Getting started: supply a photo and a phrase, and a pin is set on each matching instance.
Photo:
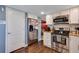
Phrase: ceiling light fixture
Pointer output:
(42, 13)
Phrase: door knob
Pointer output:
(9, 33)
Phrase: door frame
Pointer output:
(26, 30)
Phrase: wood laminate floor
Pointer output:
(35, 48)
(32, 41)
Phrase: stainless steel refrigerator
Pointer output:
(2, 29)
(2, 38)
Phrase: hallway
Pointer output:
(35, 48)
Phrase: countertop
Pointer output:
(74, 33)
(71, 33)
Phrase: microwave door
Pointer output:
(61, 20)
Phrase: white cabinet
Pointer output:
(74, 44)
(47, 39)
(65, 12)
(56, 14)
(49, 19)
(74, 16)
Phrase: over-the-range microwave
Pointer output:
(60, 19)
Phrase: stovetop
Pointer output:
(64, 33)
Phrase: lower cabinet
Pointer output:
(47, 39)
(74, 44)
(59, 47)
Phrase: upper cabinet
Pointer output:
(74, 16)
(55, 15)
(49, 20)
(64, 12)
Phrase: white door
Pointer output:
(15, 29)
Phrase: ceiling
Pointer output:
(36, 9)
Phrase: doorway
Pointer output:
(32, 31)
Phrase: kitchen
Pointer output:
(64, 34)
(39, 29)
(57, 31)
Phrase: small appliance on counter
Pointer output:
(77, 30)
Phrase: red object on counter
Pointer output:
(44, 25)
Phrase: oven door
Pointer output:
(60, 20)
(54, 38)
(63, 40)
(57, 38)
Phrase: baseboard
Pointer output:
(16, 50)
(52, 49)
(26, 45)
(40, 41)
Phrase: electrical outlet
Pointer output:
(78, 47)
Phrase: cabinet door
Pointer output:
(73, 18)
(73, 44)
(65, 12)
(49, 19)
(47, 43)
(47, 39)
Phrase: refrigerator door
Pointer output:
(2, 38)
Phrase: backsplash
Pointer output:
(66, 27)
(72, 27)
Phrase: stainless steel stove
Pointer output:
(60, 37)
